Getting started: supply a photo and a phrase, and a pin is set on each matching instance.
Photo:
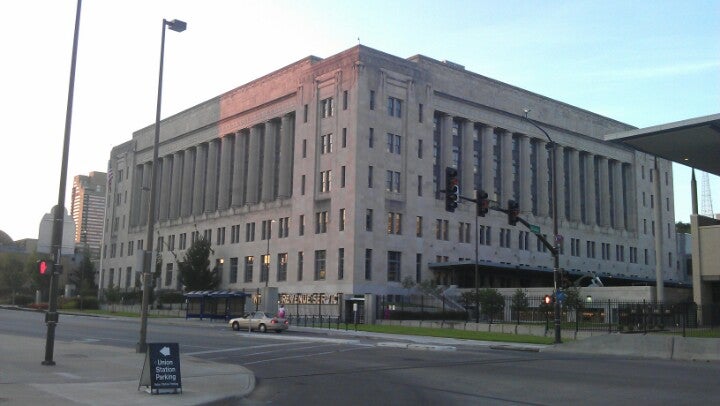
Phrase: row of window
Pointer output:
(327, 106)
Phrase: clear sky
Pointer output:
(640, 62)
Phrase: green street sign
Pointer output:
(534, 229)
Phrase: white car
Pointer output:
(261, 321)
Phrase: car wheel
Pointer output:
(236, 326)
(262, 328)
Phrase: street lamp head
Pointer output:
(526, 110)
(176, 25)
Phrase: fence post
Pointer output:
(609, 317)
(577, 320)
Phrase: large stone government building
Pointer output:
(331, 170)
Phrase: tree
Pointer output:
(572, 298)
(428, 287)
(12, 275)
(83, 276)
(681, 227)
(408, 282)
(519, 302)
(491, 302)
(194, 269)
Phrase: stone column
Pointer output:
(253, 168)
(186, 199)
(590, 191)
(525, 174)
(287, 128)
(164, 187)
(176, 188)
(631, 202)
(145, 192)
(238, 184)
(446, 144)
(506, 167)
(619, 199)
(137, 193)
(467, 172)
(225, 182)
(560, 172)
(543, 179)
(211, 181)
(269, 160)
(487, 134)
(604, 192)
(576, 193)
(200, 175)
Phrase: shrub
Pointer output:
(24, 300)
(171, 297)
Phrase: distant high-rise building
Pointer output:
(88, 210)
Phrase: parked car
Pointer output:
(261, 321)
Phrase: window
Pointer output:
(441, 229)
(160, 244)
(234, 234)
(620, 253)
(249, 268)
(301, 258)
(220, 238)
(266, 230)
(394, 142)
(341, 263)
(370, 176)
(633, 255)
(320, 265)
(418, 226)
(282, 266)
(284, 227)
(326, 144)
(464, 232)
(304, 148)
(305, 113)
(345, 99)
(249, 232)
(420, 113)
(372, 100)
(302, 185)
(321, 220)
(183, 239)
(394, 223)
(505, 237)
(418, 267)
(324, 181)
(344, 137)
(394, 107)
(369, 220)
(301, 225)
(368, 264)
(233, 270)
(342, 176)
(371, 138)
(575, 247)
(523, 240)
(420, 149)
(169, 274)
(341, 220)
(392, 181)
(590, 249)
(326, 107)
(393, 266)
(131, 246)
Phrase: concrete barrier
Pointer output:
(696, 349)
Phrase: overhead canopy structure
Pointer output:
(694, 142)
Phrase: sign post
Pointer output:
(161, 370)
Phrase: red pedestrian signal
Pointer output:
(44, 266)
(548, 299)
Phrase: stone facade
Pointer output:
(343, 158)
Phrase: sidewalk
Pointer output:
(87, 374)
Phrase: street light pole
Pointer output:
(51, 317)
(178, 26)
(556, 244)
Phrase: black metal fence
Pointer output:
(686, 319)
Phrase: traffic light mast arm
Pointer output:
(542, 238)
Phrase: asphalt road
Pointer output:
(296, 368)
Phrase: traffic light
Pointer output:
(452, 189)
(548, 299)
(45, 266)
(513, 211)
(482, 202)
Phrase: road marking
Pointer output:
(306, 355)
(233, 349)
